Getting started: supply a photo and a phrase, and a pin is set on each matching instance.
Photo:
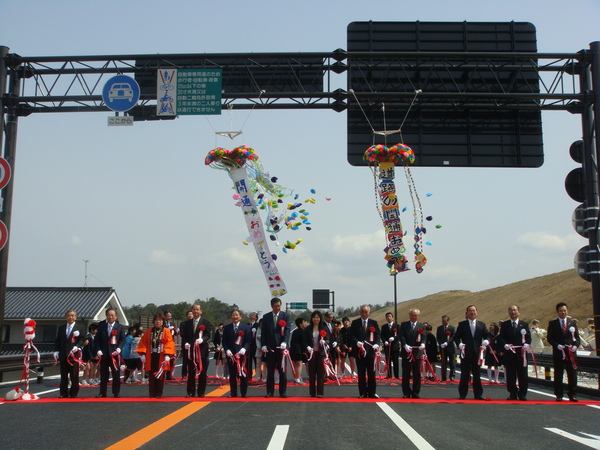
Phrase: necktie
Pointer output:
(195, 325)
(275, 319)
(109, 329)
(69, 328)
(235, 328)
(564, 321)
(365, 326)
(473, 328)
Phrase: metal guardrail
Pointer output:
(13, 363)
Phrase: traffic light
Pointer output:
(585, 214)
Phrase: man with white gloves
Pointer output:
(516, 339)
(69, 340)
(471, 338)
(237, 337)
(108, 344)
(364, 337)
(275, 334)
(412, 339)
(195, 334)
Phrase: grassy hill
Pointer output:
(536, 298)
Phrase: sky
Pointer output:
(159, 226)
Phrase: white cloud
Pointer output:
(75, 241)
(164, 258)
(359, 242)
(541, 240)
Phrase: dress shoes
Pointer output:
(406, 396)
(362, 396)
(511, 397)
(232, 396)
(117, 396)
(573, 399)
(283, 396)
(374, 396)
(462, 398)
(479, 398)
(268, 395)
(101, 396)
(62, 396)
(558, 399)
(189, 395)
(415, 396)
(522, 399)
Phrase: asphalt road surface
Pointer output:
(339, 421)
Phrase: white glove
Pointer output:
(408, 348)
(376, 347)
(359, 344)
(422, 347)
(461, 346)
(309, 349)
(167, 358)
(322, 343)
(228, 353)
(526, 346)
(573, 348)
(118, 350)
(187, 346)
(264, 349)
(444, 345)
(334, 345)
(283, 346)
(55, 355)
(143, 358)
(75, 348)
(391, 339)
(507, 346)
(485, 343)
(560, 347)
(199, 341)
(242, 351)
(386, 343)
(100, 353)
(171, 328)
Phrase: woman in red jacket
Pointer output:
(156, 349)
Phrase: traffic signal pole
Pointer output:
(591, 130)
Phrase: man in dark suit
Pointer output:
(391, 342)
(563, 336)
(251, 353)
(195, 334)
(109, 342)
(365, 336)
(412, 339)
(69, 337)
(275, 334)
(515, 333)
(445, 337)
(236, 343)
(470, 336)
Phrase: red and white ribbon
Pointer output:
(75, 356)
(240, 362)
(116, 358)
(196, 356)
(380, 363)
(285, 356)
(162, 369)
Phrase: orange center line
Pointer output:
(149, 432)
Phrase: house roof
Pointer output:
(53, 302)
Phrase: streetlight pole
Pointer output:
(393, 273)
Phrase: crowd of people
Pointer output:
(268, 346)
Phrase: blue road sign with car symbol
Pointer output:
(121, 93)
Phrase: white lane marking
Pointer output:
(409, 431)
(278, 439)
(593, 441)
